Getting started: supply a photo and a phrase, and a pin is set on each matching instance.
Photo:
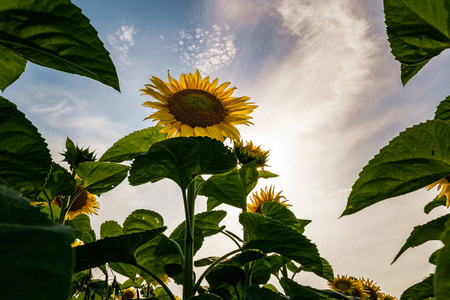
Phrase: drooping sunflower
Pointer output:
(246, 153)
(266, 195)
(194, 106)
(343, 284)
(85, 203)
(371, 288)
(444, 186)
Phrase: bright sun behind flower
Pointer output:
(266, 195)
(196, 107)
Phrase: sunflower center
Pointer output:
(343, 285)
(197, 108)
(78, 203)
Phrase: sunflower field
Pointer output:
(49, 250)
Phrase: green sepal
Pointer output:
(75, 155)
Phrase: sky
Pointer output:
(329, 97)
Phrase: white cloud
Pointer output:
(122, 40)
(205, 49)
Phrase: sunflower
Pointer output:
(343, 284)
(248, 153)
(84, 203)
(444, 183)
(77, 243)
(196, 107)
(164, 279)
(129, 293)
(360, 292)
(382, 296)
(266, 195)
(370, 288)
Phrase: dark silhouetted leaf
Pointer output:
(442, 282)
(59, 182)
(421, 290)
(255, 292)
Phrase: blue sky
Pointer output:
(329, 97)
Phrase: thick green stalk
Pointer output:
(188, 267)
(64, 209)
(247, 269)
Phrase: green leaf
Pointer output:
(423, 233)
(266, 174)
(110, 229)
(142, 219)
(249, 176)
(133, 144)
(31, 244)
(205, 261)
(443, 110)
(261, 271)
(24, 158)
(281, 213)
(212, 203)
(269, 235)
(101, 177)
(179, 234)
(205, 297)
(208, 222)
(11, 67)
(255, 292)
(59, 182)
(114, 249)
(441, 280)
(297, 291)
(421, 290)
(436, 202)
(302, 224)
(225, 188)
(82, 227)
(243, 258)
(417, 31)
(433, 257)
(412, 160)
(126, 270)
(276, 262)
(181, 159)
(225, 281)
(55, 34)
(408, 71)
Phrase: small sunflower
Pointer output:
(343, 284)
(77, 243)
(266, 195)
(196, 107)
(360, 292)
(383, 296)
(370, 288)
(85, 203)
(129, 293)
(443, 184)
(248, 153)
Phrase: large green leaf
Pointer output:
(181, 159)
(281, 213)
(142, 219)
(31, 244)
(11, 67)
(443, 110)
(260, 272)
(55, 34)
(113, 249)
(24, 158)
(59, 182)
(133, 144)
(82, 227)
(179, 236)
(208, 222)
(442, 282)
(421, 290)
(110, 229)
(249, 176)
(423, 233)
(225, 188)
(416, 158)
(101, 177)
(270, 235)
(417, 31)
(226, 281)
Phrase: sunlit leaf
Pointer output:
(101, 177)
(31, 244)
(423, 233)
(113, 249)
(55, 34)
(142, 219)
(249, 176)
(408, 71)
(126, 270)
(443, 110)
(59, 182)
(281, 213)
(82, 227)
(266, 174)
(417, 31)
(421, 290)
(24, 158)
(436, 202)
(110, 229)
(11, 67)
(416, 158)
(133, 144)
(269, 235)
(181, 159)
(442, 282)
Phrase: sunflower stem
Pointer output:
(247, 269)
(188, 269)
(64, 209)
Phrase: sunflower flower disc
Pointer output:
(194, 106)
(85, 203)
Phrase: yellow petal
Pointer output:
(215, 132)
(198, 79)
(221, 87)
(199, 131)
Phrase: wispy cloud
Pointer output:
(205, 49)
(121, 41)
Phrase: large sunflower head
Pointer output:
(246, 153)
(194, 106)
(444, 186)
(129, 293)
(343, 284)
(85, 203)
(266, 195)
